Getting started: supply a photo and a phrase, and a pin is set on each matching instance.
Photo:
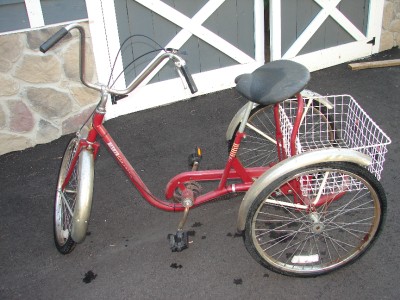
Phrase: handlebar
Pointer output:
(53, 40)
(189, 79)
(169, 53)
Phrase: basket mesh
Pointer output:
(346, 125)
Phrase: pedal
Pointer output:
(178, 241)
(195, 158)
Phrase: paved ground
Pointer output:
(126, 249)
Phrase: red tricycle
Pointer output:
(308, 167)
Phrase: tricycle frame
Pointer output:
(233, 170)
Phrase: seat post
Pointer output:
(296, 125)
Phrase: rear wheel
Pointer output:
(258, 148)
(78, 189)
(315, 219)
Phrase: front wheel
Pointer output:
(72, 204)
(315, 219)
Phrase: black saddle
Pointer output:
(273, 82)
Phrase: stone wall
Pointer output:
(390, 25)
(41, 97)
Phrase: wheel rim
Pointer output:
(65, 200)
(293, 240)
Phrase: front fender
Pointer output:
(84, 197)
(293, 163)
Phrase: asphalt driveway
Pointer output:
(126, 254)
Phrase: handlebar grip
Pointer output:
(189, 79)
(54, 39)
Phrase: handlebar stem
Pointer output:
(101, 106)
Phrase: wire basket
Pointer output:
(346, 125)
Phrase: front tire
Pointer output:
(70, 220)
(294, 241)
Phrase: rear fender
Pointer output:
(236, 120)
(291, 164)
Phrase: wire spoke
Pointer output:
(66, 203)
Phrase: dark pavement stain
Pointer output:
(237, 281)
(197, 224)
(175, 266)
(233, 235)
(89, 277)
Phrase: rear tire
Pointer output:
(298, 242)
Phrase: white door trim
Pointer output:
(35, 13)
(105, 39)
(332, 56)
(275, 29)
(374, 27)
